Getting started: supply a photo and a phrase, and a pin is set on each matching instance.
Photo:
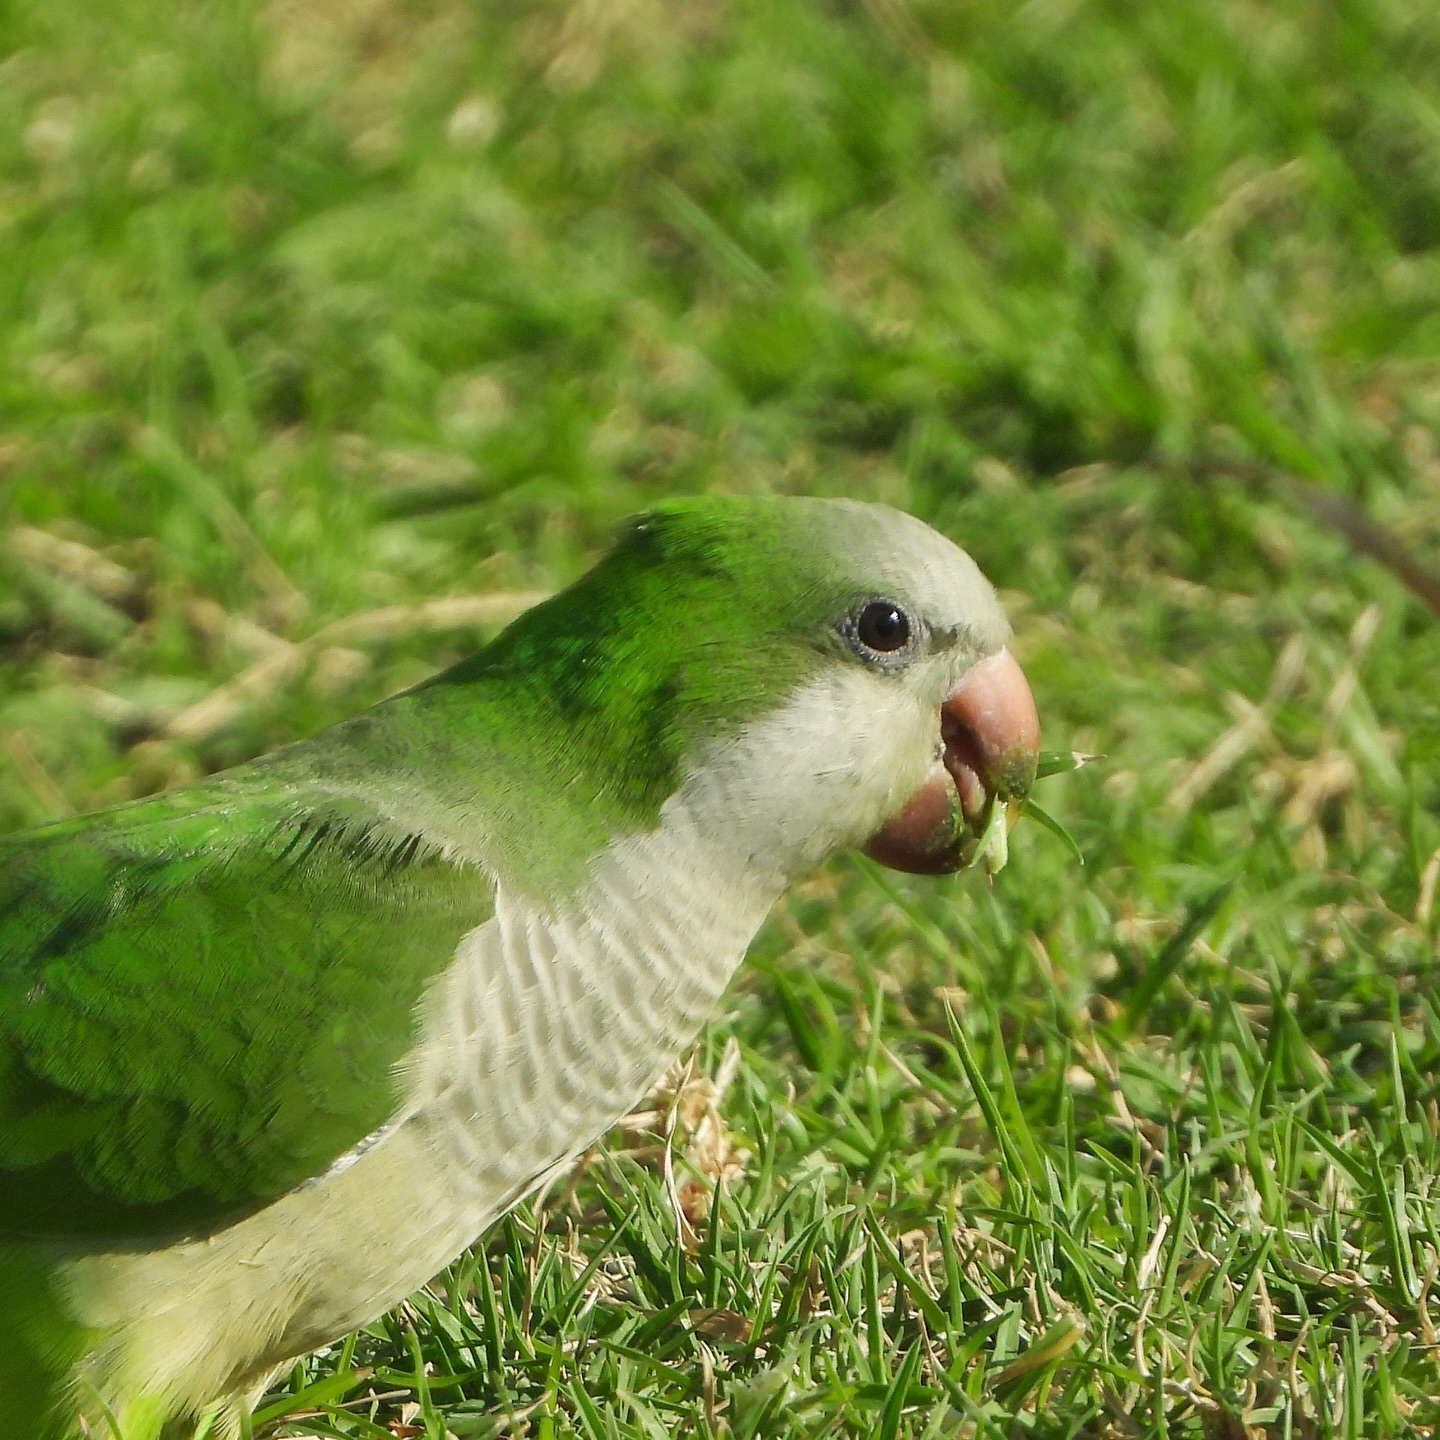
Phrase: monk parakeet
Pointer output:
(275, 1047)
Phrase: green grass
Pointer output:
(313, 308)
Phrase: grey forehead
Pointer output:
(924, 569)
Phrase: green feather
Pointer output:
(39, 1346)
(202, 1007)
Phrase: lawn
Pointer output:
(335, 330)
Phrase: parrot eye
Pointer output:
(883, 626)
(879, 629)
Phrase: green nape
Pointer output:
(202, 1002)
(706, 614)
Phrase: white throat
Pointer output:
(552, 1024)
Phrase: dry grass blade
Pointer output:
(455, 612)
(283, 661)
(1235, 743)
(96, 572)
(53, 800)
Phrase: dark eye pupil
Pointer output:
(883, 626)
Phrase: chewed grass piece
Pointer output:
(994, 847)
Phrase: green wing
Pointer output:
(203, 999)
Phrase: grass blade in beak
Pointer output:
(1038, 812)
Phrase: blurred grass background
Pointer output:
(333, 330)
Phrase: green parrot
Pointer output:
(276, 1046)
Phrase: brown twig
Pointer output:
(1339, 513)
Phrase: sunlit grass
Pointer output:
(317, 316)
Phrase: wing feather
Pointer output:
(204, 999)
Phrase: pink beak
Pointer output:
(991, 736)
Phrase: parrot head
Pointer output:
(828, 673)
